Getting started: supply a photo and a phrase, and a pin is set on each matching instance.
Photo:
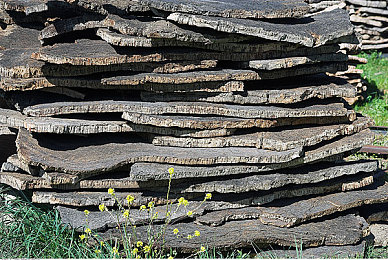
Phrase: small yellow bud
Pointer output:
(147, 249)
(176, 231)
(126, 214)
(208, 196)
(189, 236)
(88, 231)
(115, 250)
(97, 251)
(151, 204)
(197, 233)
(111, 191)
(190, 213)
(102, 207)
(138, 257)
(87, 212)
(139, 244)
(135, 251)
(130, 199)
(82, 237)
(171, 171)
(170, 257)
(143, 207)
(101, 243)
(185, 203)
(180, 200)
(203, 249)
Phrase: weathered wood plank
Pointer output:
(304, 210)
(311, 33)
(276, 140)
(86, 159)
(344, 230)
(196, 108)
(242, 9)
(153, 171)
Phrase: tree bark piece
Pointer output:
(86, 160)
(17, 37)
(304, 210)
(343, 230)
(312, 33)
(380, 234)
(244, 9)
(278, 179)
(154, 171)
(197, 108)
(277, 140)
(110, 6)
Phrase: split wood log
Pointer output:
(309, 34)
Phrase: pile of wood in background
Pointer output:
(235, 97)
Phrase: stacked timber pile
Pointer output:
(370, 18)
(235, 98)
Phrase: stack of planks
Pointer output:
(104, 94)
(370, 18)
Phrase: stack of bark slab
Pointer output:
(370, 18)
(234, 97)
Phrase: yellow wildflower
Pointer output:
(190, 213)
(97, 251)
(115, 250)
(111, 191)
(126, 214)
(82, 237)
(181, 200)
(135, 251)
(88, 231)
(171, 171)
(87, 212)
(197, 233)
(147, 249)
(138, 257)
(102, 207)
(143, 207)
(185, 203)
(208, 196)
(203, 249)
(130, 199)
(151, 204)
(139, 244)
(101, 243)
(189, 236)
(176, 231)
(170, 257)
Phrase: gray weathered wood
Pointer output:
(17, 37)
(242, 9)
(278, 179)
(304, 210)
(197, 108)
(121, 7)
(343, 230)
(153, 171)
(368, 3)
(25, 6)
(276, 140)
(86, 160)
(312, 33)
(380, 234)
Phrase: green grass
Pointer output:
(375, 104)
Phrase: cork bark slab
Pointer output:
(344, 230)
(228, 8)
(110, 6)
(196, 108)
(99, 221)
(311, 32)
(91, 198)
(304, 210)
(25, 6)
(277, 140)
(87, 158)
(17, 37)
(322, 252)
(279, 179)
(296, 61)
(380, 234)
(262, 96)
(366, 3)
(375, 213)
(153, 171)
(182, 78)
(63, 26)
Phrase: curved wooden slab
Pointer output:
(343, 230)
(304, 210)
(153, 171)
(313, 32)
(276, 140)
(196, 108)
(90, 158)
(229, 8)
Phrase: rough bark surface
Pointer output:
(380, 234)
(312, 33)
